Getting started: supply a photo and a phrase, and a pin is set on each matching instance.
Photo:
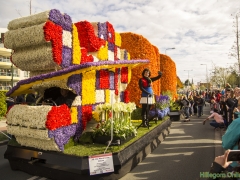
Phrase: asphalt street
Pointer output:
(187, 151)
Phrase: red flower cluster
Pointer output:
(124, 75)
(84, 57)
(104, 79)
(53, 33)
(116, 81)
(115, 53)
(126, 96)
(86, 115)
(87, 37)
(110, 33)
(58, 116)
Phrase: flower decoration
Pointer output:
(87, 37)
(126, 96)
(122, 126)
(169, 77)
(110, 33)
(62, 135)
(76, 51)
(104, 79)
(58, 116)
(53, 33)
(124, 75)
(103, 52)
(86, 115)
(75, 82)
(74, 115)
(140, 48)
(88, 87)
(118, 40)
(79, 126)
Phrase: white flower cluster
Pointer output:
(38, 143)
(28, 132)
(28, 116)
(48, 84)
(24, 37)
(117, 107)
(34, 58)
(67, 38)
(77, 101)
(28, 21)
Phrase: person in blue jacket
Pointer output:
(231, 137)
(147, 96)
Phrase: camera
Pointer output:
(234, 155)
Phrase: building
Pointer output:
(9, 74)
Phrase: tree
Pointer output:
(187, 83)
(234, 51)
(219, 76)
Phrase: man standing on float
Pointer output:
(147, 97)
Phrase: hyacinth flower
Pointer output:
(162, 101)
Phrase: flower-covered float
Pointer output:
(89, 59)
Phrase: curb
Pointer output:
(2, 143)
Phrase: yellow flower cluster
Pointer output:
(89, 88)
(74, 114)
(140, 48)
(102, 54)
(118, 40)
(76, 51)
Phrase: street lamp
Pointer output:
(168, 49)
(206, 76)
(188, 76)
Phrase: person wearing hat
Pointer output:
(65, 98)
(147, 96)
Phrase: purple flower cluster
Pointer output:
(72, 69)
(111, 80)
(75, 82)
(162, 101)
(122, 96)
(79, 128)
(64, 21)
(97, 79)
(125, 55)
(111, 46)
(102, 30)
(66, 57)
(62, 135)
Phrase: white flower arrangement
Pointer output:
(38, 143)
(28, 21)
(25, 37)
(34, 58)
(28, 116)
(121, 116)
(28, 132)
(67, 38)
(77, 101)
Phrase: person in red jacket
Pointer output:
(147, 96)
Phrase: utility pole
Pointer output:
(30, 7)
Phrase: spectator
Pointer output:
(218, 119)
(200, 103)
(30, 98)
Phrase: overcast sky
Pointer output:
(201, 31)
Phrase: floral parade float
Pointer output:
(99, 66)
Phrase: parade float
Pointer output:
(101, 69)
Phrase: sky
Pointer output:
(201, 31)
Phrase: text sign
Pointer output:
(99, 164)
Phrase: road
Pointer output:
(188, 150)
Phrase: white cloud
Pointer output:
(201, 31)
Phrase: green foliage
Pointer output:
(136, 114)
(3, 105)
